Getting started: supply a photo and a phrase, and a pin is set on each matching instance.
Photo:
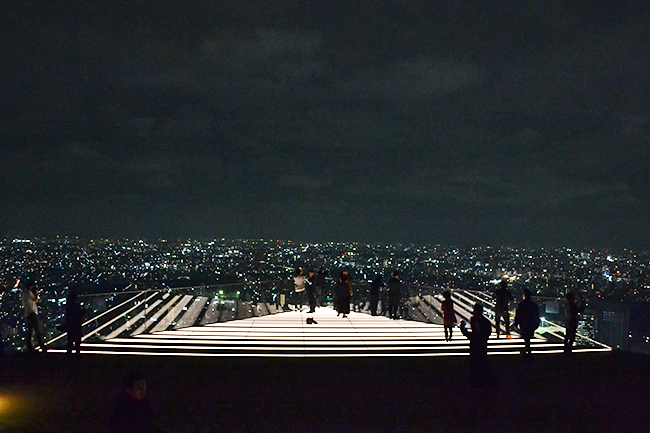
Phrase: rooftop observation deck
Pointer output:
(238, 366)
(183, 323)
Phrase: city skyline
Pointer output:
(254, 270)
(459, 123)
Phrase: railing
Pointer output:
(130, 310)
(553, 320)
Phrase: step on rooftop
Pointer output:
(163, 324)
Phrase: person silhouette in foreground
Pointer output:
(74, 313)
(448, 315)
(527, 319)
(132, 409)
(501, 309)
(572, 312)
(480, 373)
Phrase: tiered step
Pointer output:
(289, 335)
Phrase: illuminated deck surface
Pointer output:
(289, 335)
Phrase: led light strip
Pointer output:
(286, 335)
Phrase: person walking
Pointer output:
(395, 288)
(501, 309)
(30, 304)
(527, 320)
(448, 315)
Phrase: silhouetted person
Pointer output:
(448, 315)
(319, 286)
(480, 372)
(299, 288)
(30, 303)
(132, 411)
(501, 309)
(527, 319)
(572, 314)
(74, 313)
(395, 287)
(373, 294)
(343, 293)
(383, 297)
(309, 288)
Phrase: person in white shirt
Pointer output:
(299, 285)
(30, 302)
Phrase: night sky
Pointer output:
(455, 122)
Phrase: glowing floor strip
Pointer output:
(288, 335)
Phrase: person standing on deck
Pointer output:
(527, 319)
(343, 294)
(395, 289)
(501, 309)
(375, 288)
(299, 287)
(572, 314)
(448, 315)
(309, 288)
(480, 372)
(319, 286)
(30, 303)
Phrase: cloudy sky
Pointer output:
(458, 122)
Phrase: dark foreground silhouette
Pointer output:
(586, 392)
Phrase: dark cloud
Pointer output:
(454, 122)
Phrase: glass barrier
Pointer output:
(552, 313)
(130, 312)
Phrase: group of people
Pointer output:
(309, 288)
(527, 320)
(310, 285)
(389, 292)
(73, 319)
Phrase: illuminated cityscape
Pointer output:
(106, 266)
(167, 167)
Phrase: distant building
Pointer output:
(609, 323)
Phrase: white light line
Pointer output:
(192, 312)
(172, 314)
(132, 298)
(116, 318)
(287, 335)
(156, 315)
(135, 320)
(266, 355)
